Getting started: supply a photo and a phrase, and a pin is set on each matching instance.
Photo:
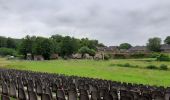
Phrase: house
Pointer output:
(38, 58)
(138, 49)
(110, 49)
(98, 56)
(54, 56)
(165, 48)
(87, 56)
(77, 56)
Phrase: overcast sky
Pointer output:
(110, 21)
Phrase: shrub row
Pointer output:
(125, 65)
(163, 57)
(161, 67)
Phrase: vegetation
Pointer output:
(163, 57)
(125, 46)
(86, 50)
(7, 51)
(152, 67)
(99, 69)
(167, 40)
(154, 44)
(163, 67)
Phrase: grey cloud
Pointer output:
(110, 21)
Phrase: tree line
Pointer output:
(65, 46)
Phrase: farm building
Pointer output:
(165, 48)
(110, 49)
(38, 58)
(138, 49)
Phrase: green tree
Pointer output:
(154, 44)
(26, 45)
(68, 46)
(167, 40)
(84, 50)
(92, 44)
(46, 48)
(2, 41)
(125, 46)
(11, 43)
(57, 41)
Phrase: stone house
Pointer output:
(38, 58)
(138, 49)
(165, 48)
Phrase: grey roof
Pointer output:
(165, 47)
(138, 48)
(110, 48)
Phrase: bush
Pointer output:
(119, 56)
(138, 55)
(154, 55)
(125, 65)
(151, 67)
(7, 51)
(106, 57)
(163, 57)
(163, 67)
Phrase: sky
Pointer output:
(110, 21)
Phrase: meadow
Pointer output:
(99, 69)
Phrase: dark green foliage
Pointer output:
(107, 57)
(11, 43)
(46, 48)
(119, 56)
(3, 41)
(154, 44)
(84, 50)
(163, 67)
(7, 51)
(125, 46)
(154, 55)
(68, 46)
(151, 67)
(125, 65)
(138, 55)
(167, 40)
(91, 44)
(163, 57)
(26, 45)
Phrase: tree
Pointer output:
(26, 45)
(167, 40)
(46, 48)
(154, 44)
(2, 41)
(11, 43)
(125, 46)
(84, 50)
(92, 44)
(68, 46)
(43, 46)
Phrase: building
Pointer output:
(38, 58)
(138, 49)
(110, 49)
(165, 48)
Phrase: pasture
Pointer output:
(98, 69)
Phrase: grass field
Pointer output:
(99, 69)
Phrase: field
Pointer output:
(98, 69)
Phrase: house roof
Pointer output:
(110, 48)
(165, 47)
(138, 48)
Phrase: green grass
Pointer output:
(99, 69)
